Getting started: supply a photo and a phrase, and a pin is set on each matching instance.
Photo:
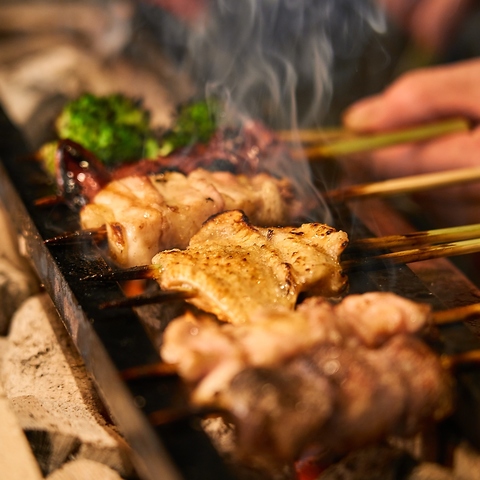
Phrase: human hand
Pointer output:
(421, 96)
(430, 23)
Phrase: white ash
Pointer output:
(84, 469)
(16, 458)
(17, 280)
(49, 389)
(15, 287)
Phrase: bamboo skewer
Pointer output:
(456, 314)
(427, 237)
(315, 135)
(175, 414)
(427, 252)
(79, 236)
(142, 272)
(413, 255)
(346, 144)
(453, 361)
(408, 184)
(139, 300)
(159, 369)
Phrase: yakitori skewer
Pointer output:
(344, 143)
(147, 299)
(315, 135)
(456, 314)
(158, 369)
(427, 252)
(413, 255)
(438, 318)
(415, 239)
(409, 184)
(79, 236)
(453, 361)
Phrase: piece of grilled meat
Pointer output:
(323, 378)
(232, 268)
(147, 214)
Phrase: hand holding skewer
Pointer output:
(417, 97)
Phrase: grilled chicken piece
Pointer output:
(147, 214)
(209, 354)
(335, 399)
(232, 268)
(330, 377)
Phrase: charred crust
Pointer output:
(117, 233)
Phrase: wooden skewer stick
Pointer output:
(139, 300)
(315, 135)
(159, 369)
(348, 146)
(175, 414)
(408, 184)
(457, 314)
(142, 272)
(457, 360)
(427, 237)
(413, 255)
(79, 236)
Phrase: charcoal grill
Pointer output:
(113, 340)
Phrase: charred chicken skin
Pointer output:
(324, 377)
(232, 268)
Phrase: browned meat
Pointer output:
(209, 354)
(145, 215)
(233, 269)
(247, 148)
(335, 399)
(328, 377)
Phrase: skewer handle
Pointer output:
(414, 255)
(408, 184)
(357, 144)
(457, 314)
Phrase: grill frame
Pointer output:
(112, 340)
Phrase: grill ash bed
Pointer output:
(118, 340)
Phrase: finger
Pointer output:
(421, 96)
(455, 151)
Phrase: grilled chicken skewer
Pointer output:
(356, 369)
(146, 214)
(231, 268)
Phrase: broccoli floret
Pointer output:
(113, 127)
(195, 123)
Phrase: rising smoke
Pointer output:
(274, 60)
